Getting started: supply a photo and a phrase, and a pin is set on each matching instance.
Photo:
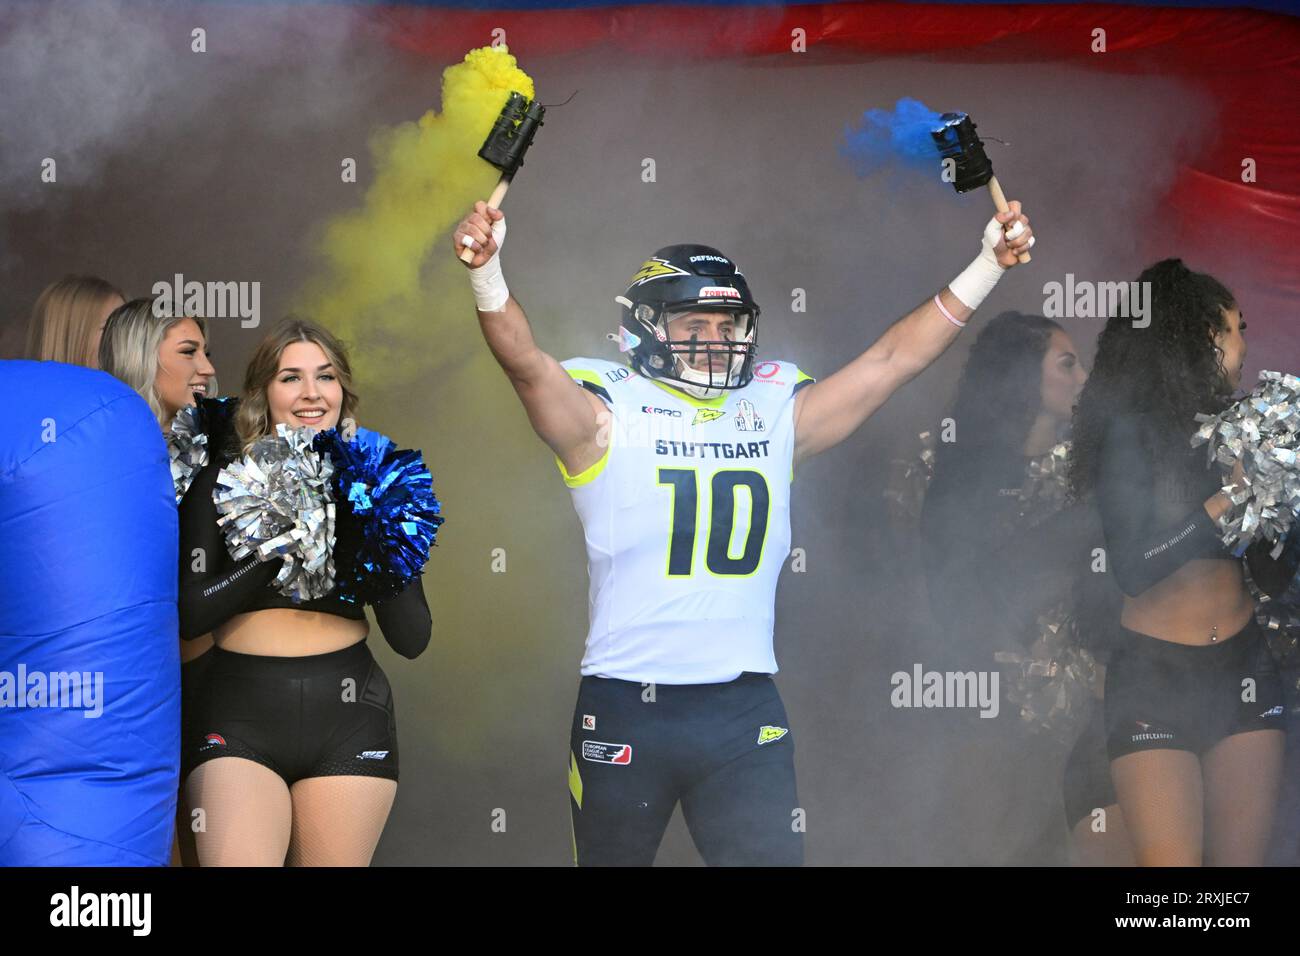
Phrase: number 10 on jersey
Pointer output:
(720, 520)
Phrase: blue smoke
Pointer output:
(900, 137)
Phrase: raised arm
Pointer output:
(832, 409)
(568, 418)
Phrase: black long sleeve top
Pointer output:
(1153, 514)
(991, 569)
(214, 587)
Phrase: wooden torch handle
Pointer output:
(494, 202)
(1000, 201)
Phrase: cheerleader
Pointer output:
(1003, 557)
(167, 361)
(68, 320)
(1193, 703)
(290, 750)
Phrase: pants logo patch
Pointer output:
(768, 734)
(598, 752)
(588, 721)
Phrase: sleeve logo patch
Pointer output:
(768, 734)
(598, 752)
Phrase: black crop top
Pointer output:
(224, 588)
(1153, 514)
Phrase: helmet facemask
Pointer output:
(674, 359)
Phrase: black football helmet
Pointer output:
(688, 278)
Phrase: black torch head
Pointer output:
(956, 140)
(512, 133)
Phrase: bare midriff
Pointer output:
(1204, 601)
(284, 632)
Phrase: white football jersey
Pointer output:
(687, 522)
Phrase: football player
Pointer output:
(679, 461)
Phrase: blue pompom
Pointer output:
(388, 516)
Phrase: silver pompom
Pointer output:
(1046, 484)
(277, 502)
(1054, 682)
(1262, 431)
(909, 478)
(187, 449)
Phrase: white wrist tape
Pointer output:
(977, 280)
(487, 281)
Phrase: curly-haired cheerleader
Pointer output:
(1193, 703)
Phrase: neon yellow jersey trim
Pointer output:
(584, 477)
(585, 375)
(697, 402)
(575, 785)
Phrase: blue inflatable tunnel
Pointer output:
(89, 657)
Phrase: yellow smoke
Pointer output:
(374, 289)
(390, 286)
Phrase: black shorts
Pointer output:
(1166, 696)
(1088, 786)
(194, 675)
(324, 715)
(724, 750)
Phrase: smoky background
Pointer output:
(226, 166)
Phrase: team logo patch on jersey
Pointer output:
(588, 722)
(747, 417)
(704, 415)
(1273, 712)
(372, 755)
(598, 752)
(767, 734)
(214, 740)
(655, 269)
